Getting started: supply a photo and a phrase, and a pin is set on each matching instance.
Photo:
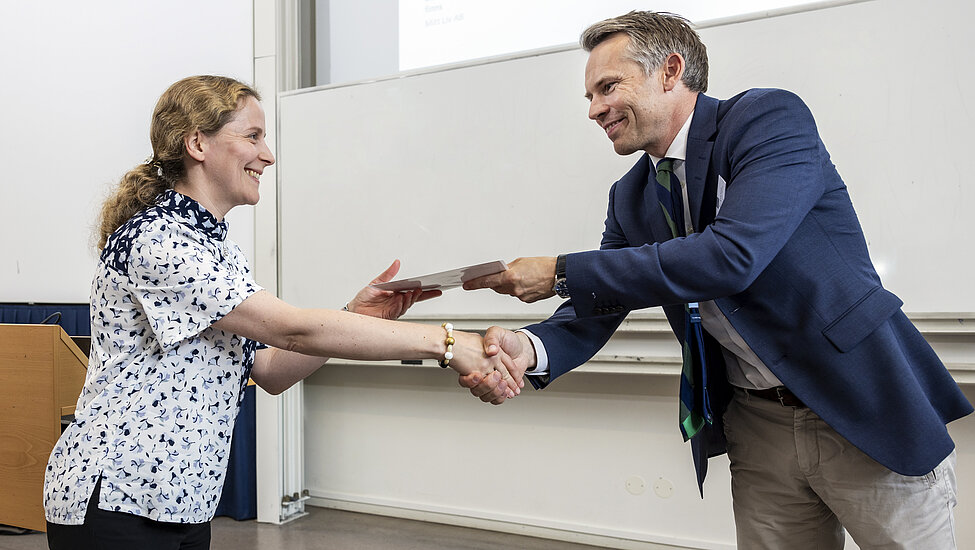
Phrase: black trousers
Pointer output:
(104, 530)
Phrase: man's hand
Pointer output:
(387, 304)
(528, 279)
(517, 354)
(472, 360)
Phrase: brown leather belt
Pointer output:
(781, 394)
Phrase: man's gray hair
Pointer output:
(653, 37)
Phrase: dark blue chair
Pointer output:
(239, 499)
(73, 319)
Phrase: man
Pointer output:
(830, 404)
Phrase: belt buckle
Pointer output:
(781, 396)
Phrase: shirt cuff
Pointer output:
(541, 358)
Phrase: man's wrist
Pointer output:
(561, 285)
(536, 349)
(527, 342)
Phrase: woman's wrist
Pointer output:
(468, 352)
(448, 353)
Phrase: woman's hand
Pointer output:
(469, 358)
(516, 352)
(387, 304)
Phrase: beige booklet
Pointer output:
(445, 280)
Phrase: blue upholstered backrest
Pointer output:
(74, 317)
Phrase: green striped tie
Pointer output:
(695, 409)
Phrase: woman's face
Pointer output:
(236, 156)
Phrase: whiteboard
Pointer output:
(498, 160)
(436, 169)
(453, 31)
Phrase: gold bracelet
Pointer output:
(449, 354)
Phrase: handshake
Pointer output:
(499, 373)
(529, 280)
(492, 367)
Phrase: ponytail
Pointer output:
(137, 190)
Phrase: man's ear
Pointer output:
(672, 71)
(195, 144)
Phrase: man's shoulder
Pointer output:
(756, 115)
(758, 98)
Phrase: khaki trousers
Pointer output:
(796, 484)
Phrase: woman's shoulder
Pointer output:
(151, 229)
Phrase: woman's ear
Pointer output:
(195, 144)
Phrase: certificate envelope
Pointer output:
(445, 279)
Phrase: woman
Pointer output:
(176, 321)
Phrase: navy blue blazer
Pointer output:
(786, 261)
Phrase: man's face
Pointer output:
(626, 103)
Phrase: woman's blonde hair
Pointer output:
(204, 102)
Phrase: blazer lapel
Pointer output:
(701, 193)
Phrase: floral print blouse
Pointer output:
(163, 388)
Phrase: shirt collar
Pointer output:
(678, 147)
(194, 212)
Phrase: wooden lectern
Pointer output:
(41, 374)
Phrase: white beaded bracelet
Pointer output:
(449, 354)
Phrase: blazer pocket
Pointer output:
(862, 318)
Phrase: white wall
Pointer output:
(596, 458)
(80, 82)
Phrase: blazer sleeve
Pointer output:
(768, 150)
(569, 340)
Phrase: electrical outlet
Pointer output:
(635, 485)
(663, 488)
